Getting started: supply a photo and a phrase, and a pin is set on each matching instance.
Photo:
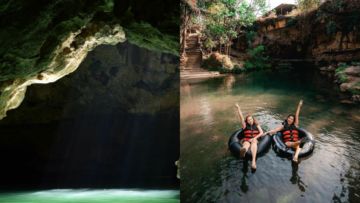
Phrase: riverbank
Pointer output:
(197, 74)
(347, 77)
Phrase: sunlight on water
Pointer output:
(92, 196)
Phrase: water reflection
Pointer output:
(228, 83)
(244, 186)
(296, 179)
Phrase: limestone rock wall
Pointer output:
(112, 79)
(330, 33)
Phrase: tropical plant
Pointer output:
(225, 19)
(307, 5)
(257, 59)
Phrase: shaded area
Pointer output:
(112, 123)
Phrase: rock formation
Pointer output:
(111, 123)
(43, 41)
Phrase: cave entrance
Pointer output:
(114, 122)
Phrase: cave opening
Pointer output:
(113, 123)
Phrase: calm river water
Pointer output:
(210, 174)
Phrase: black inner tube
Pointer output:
(283, 151)
(235, 146)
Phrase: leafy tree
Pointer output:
(306, 5)
(225, 19)
(257, 59)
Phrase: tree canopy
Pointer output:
(223, 20)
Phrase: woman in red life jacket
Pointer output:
(290, 133)
(251, 132)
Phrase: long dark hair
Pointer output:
(249, 115)
(285, 123)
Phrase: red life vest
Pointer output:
(250, 131)
(290, 133)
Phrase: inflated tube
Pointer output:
(306, 149)
(234, 144)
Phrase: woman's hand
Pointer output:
(237, 105)
(301, 103)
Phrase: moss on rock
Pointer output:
(146, 36)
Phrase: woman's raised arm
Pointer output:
(297, 113)
(240, 115)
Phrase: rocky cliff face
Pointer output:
(123, 78)
(330, 33)
(43, 41)
(112, 122)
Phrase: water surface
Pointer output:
(92, 196)
(210, 174)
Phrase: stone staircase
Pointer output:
(192, 67)
(193, 52)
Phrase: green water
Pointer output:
(91, 196)
(210, 174)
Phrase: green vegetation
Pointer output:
(225, 19)
(307, 5)
(291, 22)
(330, 27)
(36, 30)
(339, 72)
(250, 35)
(257, 59)
(354, 90)
(214, 64)
(146, 36)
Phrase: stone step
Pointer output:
(192, 42)
(189, 45)
(194, 57)
(192, 37)
(192, 50)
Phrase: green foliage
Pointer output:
(336, 5)
(212, 64)
(341, 68)
(331, 28)
(237, 69)
(257, 59)
(339, 72)
(306, 5)
(209, 44)
(355, 89)
(291, 22)
(225, 18)
(250, 35)
(146, 36)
